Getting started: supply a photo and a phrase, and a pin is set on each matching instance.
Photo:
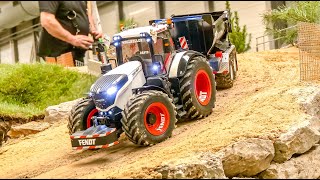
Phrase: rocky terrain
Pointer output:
(266, 126)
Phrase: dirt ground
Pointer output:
(259, 105)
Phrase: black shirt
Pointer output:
(51, 46)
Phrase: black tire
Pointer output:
(4, 129)
(192, 104)
(134, 118)
(225, 81)
(79, 115)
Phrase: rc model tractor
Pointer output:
(158, 80)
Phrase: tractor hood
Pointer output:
(106, 89)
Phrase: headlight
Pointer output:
(116, 38)
(112, 90)
(148, 39)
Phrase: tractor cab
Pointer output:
(149, 45)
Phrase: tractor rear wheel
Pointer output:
(81, 114)
(149, 118)
(198, 88)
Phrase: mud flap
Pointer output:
(95, 137)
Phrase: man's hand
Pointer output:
(96, 34)
(81, 41)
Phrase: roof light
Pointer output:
(116, 38)
(169, 21)
(143, 34)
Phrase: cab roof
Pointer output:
(135, 32)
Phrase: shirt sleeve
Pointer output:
(49, 6)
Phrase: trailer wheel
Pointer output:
(225, 81)
(198, 88)
(81, 114)
(149, 118)
(4, 129)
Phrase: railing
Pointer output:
(19, 34)
(264, 42)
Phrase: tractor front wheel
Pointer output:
(149, 118)
(81, 114)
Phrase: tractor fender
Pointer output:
(180, 61)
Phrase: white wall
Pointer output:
(140, 11)
(6, 54)
(109, 18)
(25, 43)
(185, 7)
(25, 48)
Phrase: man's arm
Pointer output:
(93, 30)
(52, 25)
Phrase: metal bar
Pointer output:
(18, 32)
(18, 36)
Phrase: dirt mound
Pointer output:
(260, 104)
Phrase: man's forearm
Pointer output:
(49, 22)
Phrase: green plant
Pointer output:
(27, 89)
(127, 23)
(239, 36)
(299, 11)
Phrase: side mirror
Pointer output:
(166, 46)
(105, 68)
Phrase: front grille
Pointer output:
(104, 82)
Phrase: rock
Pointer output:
(299, 139)
(306, 166)
(204, 165)
(247, 158)
(59, 112)
(28, 128)
(308, 98)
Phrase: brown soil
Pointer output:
(259, 105)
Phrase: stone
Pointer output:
(299, 139)
(247, 158)
(305, 166)
(32, 127)
(204, 165)
(308, 98)
(59, 112)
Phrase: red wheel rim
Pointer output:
(156, 118)
(202, 87)
(92, 113)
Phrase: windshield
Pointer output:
(135, 47)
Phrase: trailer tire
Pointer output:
(4, 129)
(81, 113)
(197, 83)
(225, 81)
(142, 121)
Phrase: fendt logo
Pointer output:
(87, 142)
(203, 96)
(163, 119)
